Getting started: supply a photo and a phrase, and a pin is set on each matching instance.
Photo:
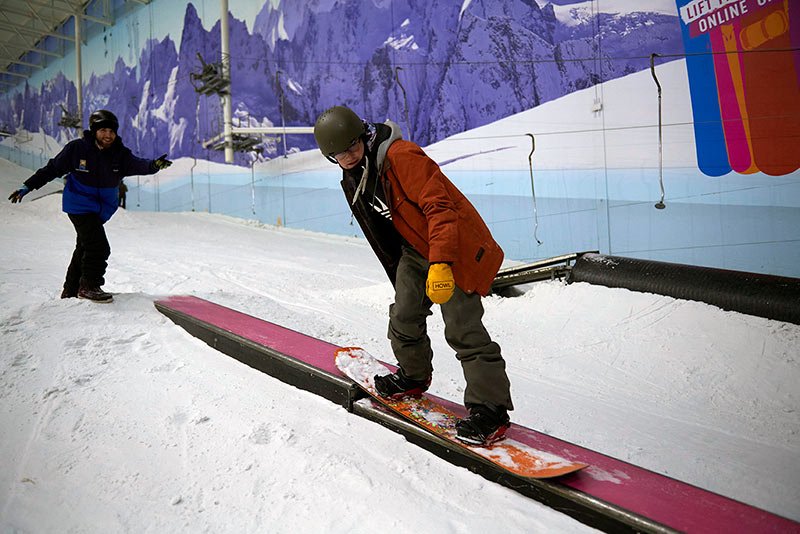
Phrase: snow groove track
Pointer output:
(610, 495)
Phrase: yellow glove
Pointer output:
(440, 284)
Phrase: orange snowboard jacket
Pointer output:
(432, 215)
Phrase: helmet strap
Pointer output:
(363, 183)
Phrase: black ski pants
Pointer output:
(483, 365)
(89, 261)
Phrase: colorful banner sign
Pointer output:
(743, 60)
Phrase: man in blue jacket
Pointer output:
(95, 166)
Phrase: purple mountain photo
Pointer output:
(459, 67)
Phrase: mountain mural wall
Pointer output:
(436, 67)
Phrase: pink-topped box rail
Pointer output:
(629, 496)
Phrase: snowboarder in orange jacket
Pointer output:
(436, 249)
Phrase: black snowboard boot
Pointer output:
(69, 293)
(398, 385)
(484, 426)
(95, 294)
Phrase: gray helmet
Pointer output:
(102, 118)
(336, 130)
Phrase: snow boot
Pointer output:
(484, 426)
(398, 385)
(95, 294)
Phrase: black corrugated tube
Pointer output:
(763, 295)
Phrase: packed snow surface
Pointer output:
(116, 420)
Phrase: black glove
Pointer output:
(17, 195)
(162, 162)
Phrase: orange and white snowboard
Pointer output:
(516, 457)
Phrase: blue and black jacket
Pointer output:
(93, 175)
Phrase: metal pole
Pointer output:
(253, 186)
(78, 69)
(227, 126)
(191, 175)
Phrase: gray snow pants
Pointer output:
(483, 365)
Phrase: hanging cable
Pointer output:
(283, 118)
(405, 102)
(660, 204)
(533, 191)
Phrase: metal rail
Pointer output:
(549, 269)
